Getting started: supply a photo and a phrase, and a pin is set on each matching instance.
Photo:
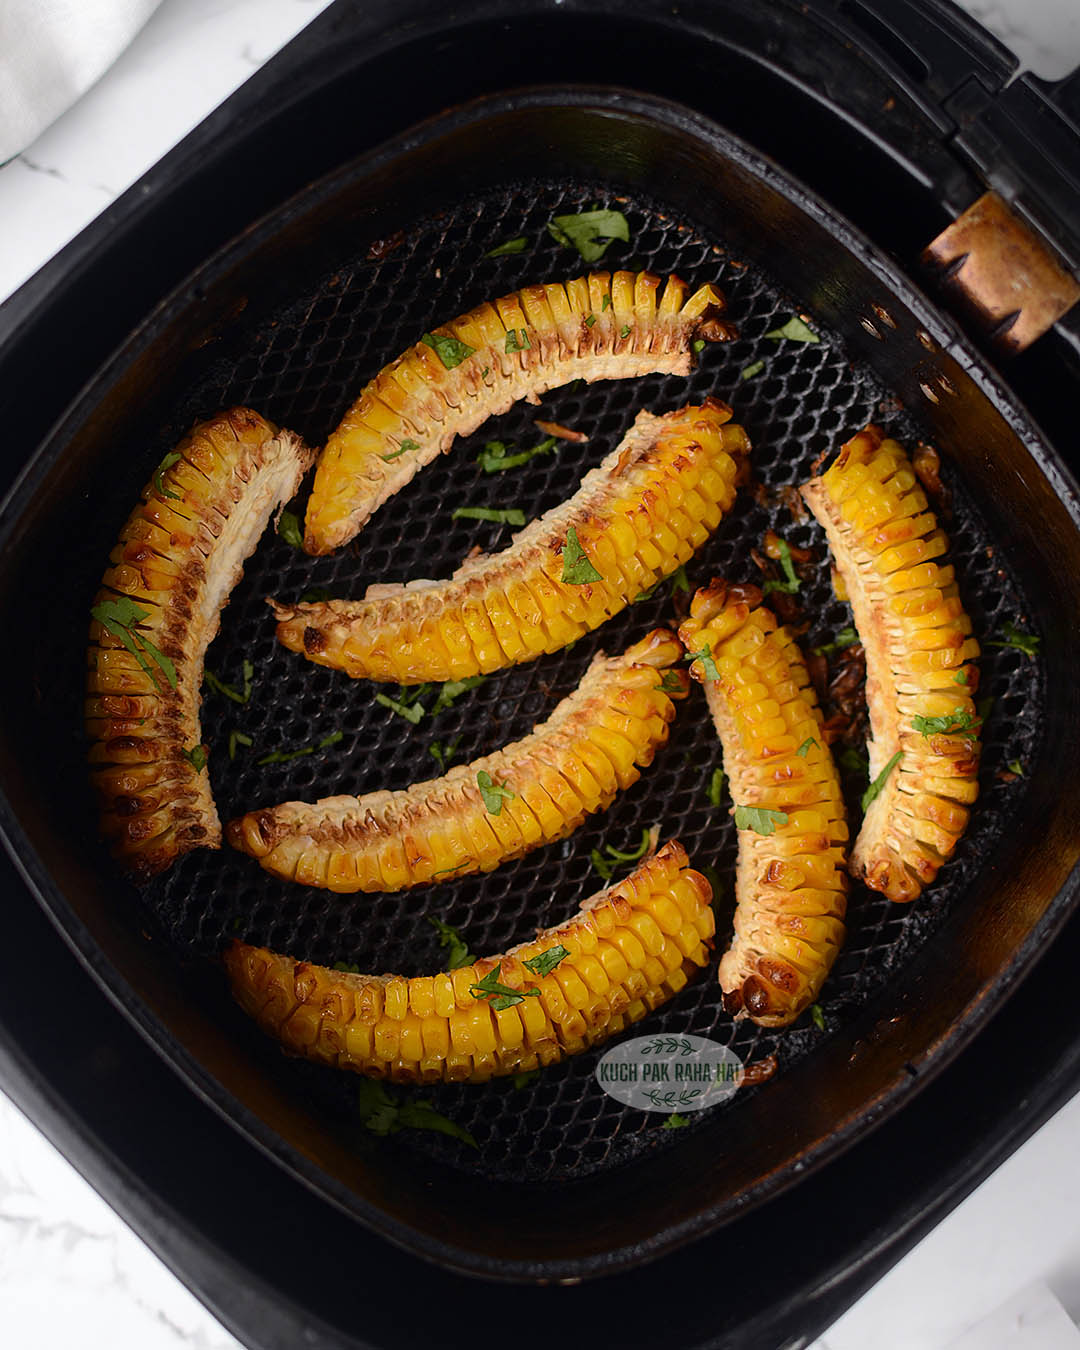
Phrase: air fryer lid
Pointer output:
(284, 319)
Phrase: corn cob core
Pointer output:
(180, 553)
(919, 660)
(630, 947)
(638, 515)
(790, 885)
(599, 327)
(571, 765)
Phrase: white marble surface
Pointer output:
(1001, 1273)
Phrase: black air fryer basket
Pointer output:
(294, 312)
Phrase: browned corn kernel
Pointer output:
(572, 765)
(919, 661)
(790, 885)
(180, 553)
(443, 1027)
(514, 606)
(594, 328)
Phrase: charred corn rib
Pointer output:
(790, 885)
(599, 327)
(180, 553)
(629, 949)
(919, 655)
(636, 517)
(571, 765)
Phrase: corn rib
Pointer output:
(888, 549)
(642, 512)
(599, 327)
(790, 884)
(180, 554)
(629, 949)
(570, 766)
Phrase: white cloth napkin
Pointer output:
(51, 52)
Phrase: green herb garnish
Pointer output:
(238, 738)
(590, 232)
(288, 528)
(333, 739)
(716, 787)
(453, 689)
(196, 757)
(545, 962)
(458, 953)
(1014, 766)
(795, 331)
(804, 749)
(577, 569)
(675, 1121)
(522, 1080)
(624, 331)
(847, 637)
(590, 319)
(412, 712)
(853, 761)
(346, 967)
(1027, 643)
(817, 1016)
(957, 720)
(513, 516)
(707, 663)
(605, 304)
(442, 754)
(230, 691)
(509, 246)
(170, 459)
(119, 618)
(697, 346)
(318, 595)
(505, 996)
(961, 676)
(449, 350)
(283, 756)
(494, 458)
(790, 584)
(494, 794)
(606, 866)
(760, 819)
(754, 368)
(515, 343)
(669, 684)
(874, 790)
(406, 444)
(382, 1111)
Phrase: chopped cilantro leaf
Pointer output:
(590, 319)
(670, 683)
(1027, 643)
(412, 712)
(760, 819)
(458, 953)
(515, 343)
(444, 755)
(606, 304)
(697, 346)
(196, 757)
(449, 350)
(543, 963)
(804, 749)
(590, 232)
(346, 967)
(170, 459)
(795, 330)
(577, 569)
(119, 617)
(453, 689)
(506, 997)
(289, 529)
(675, 1122)
(1014, 766)
(847, 637)
(716, 787)
(817, 1016)
(957, 720)
(318, 595)
(513, 516)
(218, 686)
(507, 247)
(493, 793)
(754, 368)
(624, 331)
(283, 756)
(874, 790)
(238, 738)
(334, 738)
(494, 458)
(705, 656)
(523, 1079)
(790, 584)
(679, 580)
(382, 1111)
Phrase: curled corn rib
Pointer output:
(790, 885)
(570, 766)
(889, 550)
(637, 516)
(179, 555)
(630, 948)
(599, 327)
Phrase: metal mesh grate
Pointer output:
(301, 367)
